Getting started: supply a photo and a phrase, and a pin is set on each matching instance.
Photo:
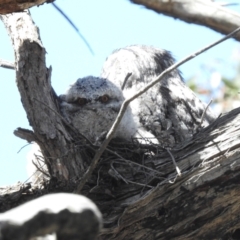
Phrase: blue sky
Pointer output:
(107, 25)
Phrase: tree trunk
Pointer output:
(135, 186)
(33, 78)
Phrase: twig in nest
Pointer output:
(126, 102)
(144, 172)
(39, 168)
(142, 191)
(174, 162)
(204, 113)
(40, 160)
(118, 175)
(125, 80)
(140, 184)
(172, 182)
(98, 176)
(133, 163)
(129, 181)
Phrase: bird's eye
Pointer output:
(104, 99)
(81, 101)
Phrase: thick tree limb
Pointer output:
(9, 6)
(203, 12)
(201, 204)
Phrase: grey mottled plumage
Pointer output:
(169, 111)
(91, 104)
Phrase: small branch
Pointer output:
(6, 64)
(74, 26)
(125, 80)
(23, 147)
(25, 134)
(174, 162)
(228, 4)
(204, 113)
(125, 104)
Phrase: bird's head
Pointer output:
(91, 104)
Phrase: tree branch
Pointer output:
(6, 64)
(9, 6)
(38, 98)
(25, 134)
(202, 12)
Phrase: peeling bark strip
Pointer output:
(207, 13)
(9, 6)
(38, 98)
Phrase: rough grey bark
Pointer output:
(201, 204)
(203, 12)
(33, 79)
(136, 187)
